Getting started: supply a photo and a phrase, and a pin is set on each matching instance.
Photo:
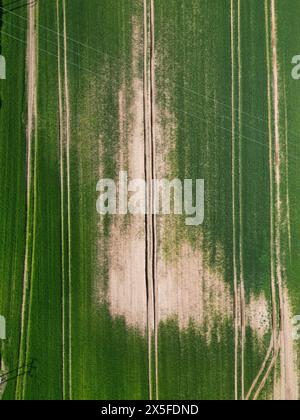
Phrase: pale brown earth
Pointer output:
(127, 294)
(127, 284)
(192, 292)
(258, 316)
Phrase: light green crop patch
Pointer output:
(2, 328)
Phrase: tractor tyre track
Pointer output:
(65, 376)
(148, 229)
(235, 269)
(30, 187)
(241, 215)
(268, 372)
(153, 153)
(150, 221)
(68, 176)
(276, 219)
(279, 271)
(272, 230)
(261, 371)
(237, 201)
(275, 282)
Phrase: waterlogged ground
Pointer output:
(141, 307)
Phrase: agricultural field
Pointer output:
(143, 305)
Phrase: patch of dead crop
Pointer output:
(126, 293)
(258, 316)
(192, 292)
(127, 283)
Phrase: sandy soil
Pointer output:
(127, 282)
(258, 316)
(193, 293)
(127, 293)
